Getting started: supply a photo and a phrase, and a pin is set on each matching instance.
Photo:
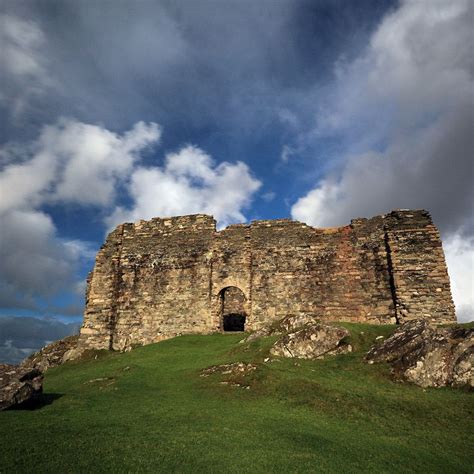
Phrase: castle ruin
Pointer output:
(156, 279)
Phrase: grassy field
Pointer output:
(149, 410)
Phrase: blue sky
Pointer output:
(317, 110)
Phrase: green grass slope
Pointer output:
(149, 410)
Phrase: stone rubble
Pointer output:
(236, 368)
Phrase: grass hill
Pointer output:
(150, 410)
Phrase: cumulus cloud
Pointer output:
(405, 108)
(33, 261)
(189, 182)
(459, 252)
(74, 162)
(81, 164)
(417, 65)
(70, 163)
(37, 265)
(96, 159)
(431, 168)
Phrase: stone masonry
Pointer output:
(156, 279)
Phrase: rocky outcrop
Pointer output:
(288, 324)
(19, 386)
(303, 336)
(235, 374)
(428, 356)
(263, 332)
(237, 368)
(51, 355)
(22, 385)
(293, 322)
(313, 341)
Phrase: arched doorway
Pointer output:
(233, 315)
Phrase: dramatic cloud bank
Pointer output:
(70, 163)
(34, 261)
(460, 256)
(190, 182)
(19, 337)
(405, 110)
(73, 163)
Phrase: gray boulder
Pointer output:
(428, 356)
(265, 331)
(313, 341)
(298, 321)
(19, 385)
(51, 355)
(289, 323)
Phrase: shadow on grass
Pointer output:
(42, 400)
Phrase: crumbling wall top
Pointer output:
(398, 218)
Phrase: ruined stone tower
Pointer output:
(159, 278)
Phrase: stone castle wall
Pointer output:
(159, 278)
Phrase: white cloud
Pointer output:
(80, 249)
(431, 168)
(95, 158)
(21, 184)
(34, 261)
(460, 259)
(286, 153)
(417, 65)
(71, 162)
(80, 288)
(74, 162)
(405, 109)
(319, 205)
(189, 182)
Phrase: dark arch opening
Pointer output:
(233, 309)
(233, 322)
